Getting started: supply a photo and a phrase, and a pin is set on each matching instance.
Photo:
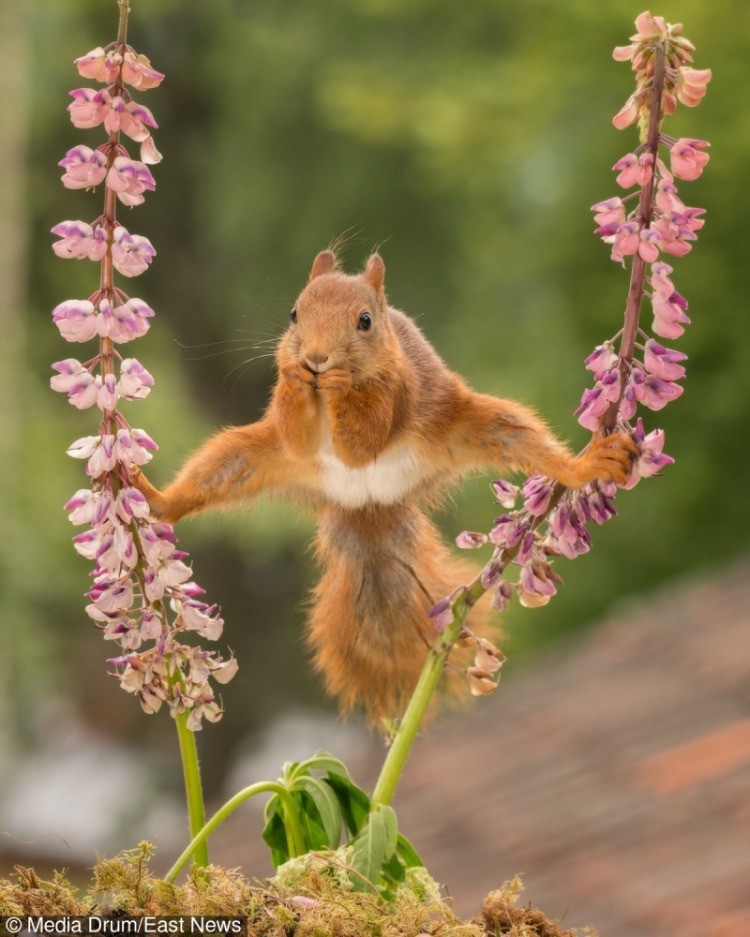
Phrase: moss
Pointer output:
(306, 900)
(31, 895)
(502, 915)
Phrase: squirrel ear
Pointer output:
(325, 262)
(375, 272)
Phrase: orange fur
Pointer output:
(368, 425)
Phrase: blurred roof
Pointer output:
(614, 775)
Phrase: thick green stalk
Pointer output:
(291, 814)
(431, 672)
(193, 786)
(292, 823)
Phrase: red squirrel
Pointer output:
(368, 426)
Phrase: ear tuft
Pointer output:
(375, 272)
(325, 262)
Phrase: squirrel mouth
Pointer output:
(311, 370)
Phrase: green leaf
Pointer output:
(394, 870)
(321, 761)
(327, 805)
(373, 847)
(274, 834)
(354, 803)
(273, 805)
(408, 853)
(315, 834)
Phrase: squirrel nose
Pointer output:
(315, 361)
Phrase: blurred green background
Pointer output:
(466, 141)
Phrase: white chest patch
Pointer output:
(385, 480)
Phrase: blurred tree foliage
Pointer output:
(466, 141)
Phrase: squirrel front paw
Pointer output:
(607, 458)
(335, 380)
(152, 495)
(300, 380)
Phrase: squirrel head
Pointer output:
(340, 320)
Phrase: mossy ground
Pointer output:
(316, 907)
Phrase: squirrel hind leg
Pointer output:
(368, 645)
(369, 626)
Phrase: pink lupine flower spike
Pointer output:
(142, 596)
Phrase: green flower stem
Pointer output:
(193, 787)
(291, 819)
(292, 823)
(428, 681)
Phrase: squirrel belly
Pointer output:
(387, 479)
(385, 567)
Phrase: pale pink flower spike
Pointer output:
(142, 595)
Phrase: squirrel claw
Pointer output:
(611, 457)
(132, 476)
(138, 480)
(335, 379)
(299, 378)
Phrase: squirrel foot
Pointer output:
(608, 458)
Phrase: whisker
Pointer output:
(267, 341)
(223, 341)
(240, 373)
(258, 337)
(246, 363)
(216, 354)
(234, 344)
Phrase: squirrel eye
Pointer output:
(365, 322)
(293, 316)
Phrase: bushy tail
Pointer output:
(384, 569)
